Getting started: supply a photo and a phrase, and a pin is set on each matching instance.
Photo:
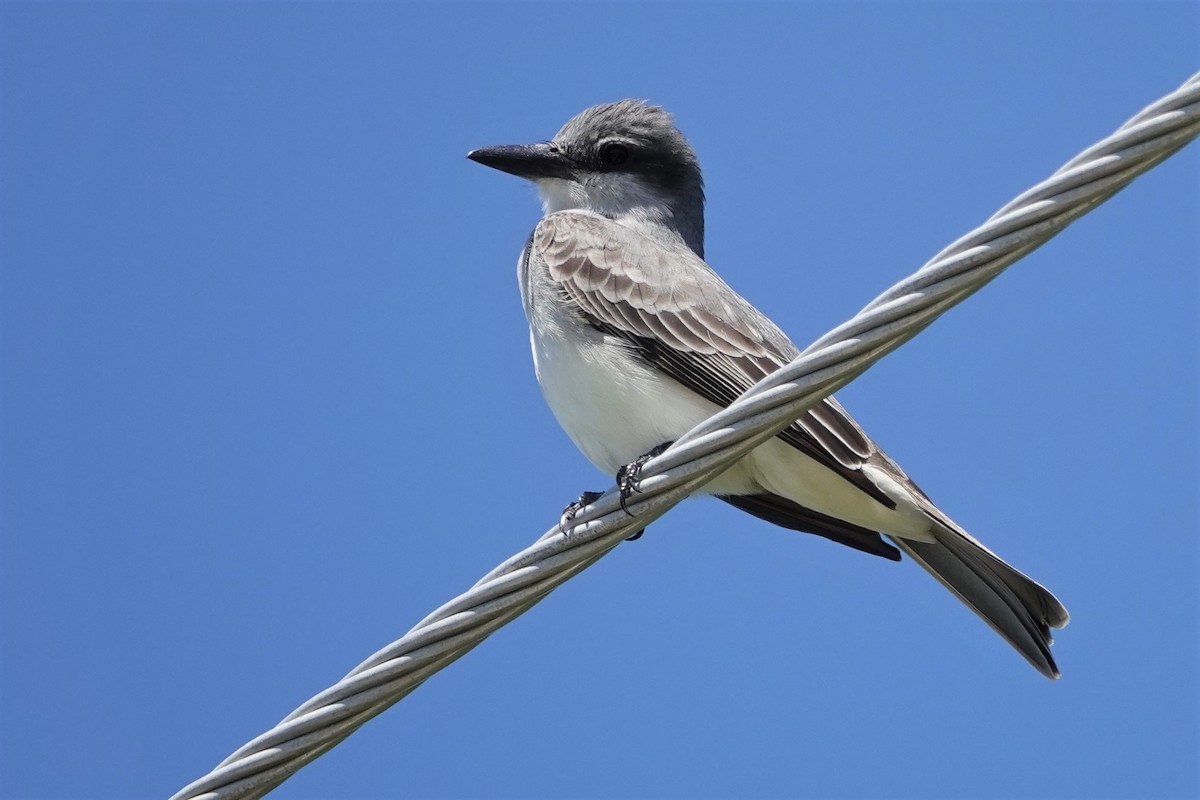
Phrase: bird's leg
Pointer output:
(585, 499)
(628, 482)
(629, 477)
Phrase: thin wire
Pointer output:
(834, 360)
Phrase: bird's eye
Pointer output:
(614, 155)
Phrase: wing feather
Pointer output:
(679, 315)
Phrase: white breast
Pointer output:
(616, 407)
(613, 406)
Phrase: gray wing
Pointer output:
(682, 317)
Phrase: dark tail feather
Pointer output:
(786, 514)
(1016, 607)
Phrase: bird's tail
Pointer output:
(1018, 608)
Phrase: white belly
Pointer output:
(615, 407)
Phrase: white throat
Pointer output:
(560, 195)
(612, 194)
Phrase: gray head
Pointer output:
(623, 160)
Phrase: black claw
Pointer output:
(627, 483)
(636, 536)
(629, 478)
(585, 499)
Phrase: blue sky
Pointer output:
(267, 401)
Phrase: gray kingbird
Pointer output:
(636, 340)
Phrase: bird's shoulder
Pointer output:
(568, 239)
(651, 286)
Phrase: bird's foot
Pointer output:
(568, 514)
(629, 477)
(585, 499)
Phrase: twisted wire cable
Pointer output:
(835, 359)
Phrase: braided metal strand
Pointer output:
(834, 360)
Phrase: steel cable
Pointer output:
(835, 359)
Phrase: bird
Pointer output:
(636, 340)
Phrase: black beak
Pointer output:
(530, 161)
